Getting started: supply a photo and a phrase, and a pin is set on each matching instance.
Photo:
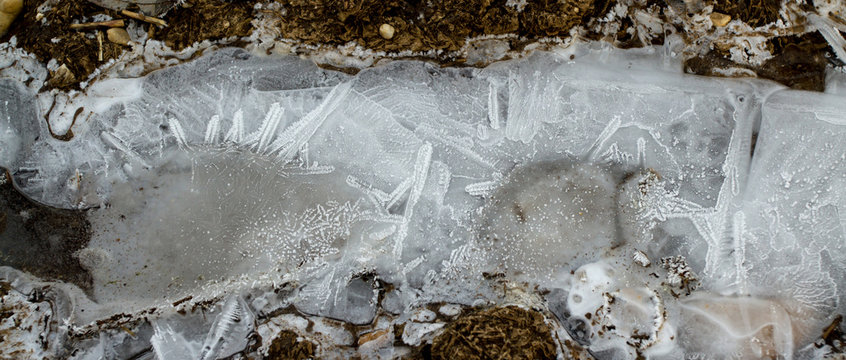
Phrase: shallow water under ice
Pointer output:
(635, 193)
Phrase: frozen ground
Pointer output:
(652, 213)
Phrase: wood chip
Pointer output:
(97, 24)
(61, 77)
(145, 18)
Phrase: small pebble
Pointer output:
(641, 259)
(424, 315)
(450, 310)
(118, 36)
(387, 31)
(720, 20)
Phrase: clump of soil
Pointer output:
(198, 20)
(496, 333)
(422, 25)
(78, 50)
(287, 347)
(798, 62)
(753, 12)
(41, 240)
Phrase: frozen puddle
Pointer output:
(647, 212)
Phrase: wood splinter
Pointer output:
(97, 24)
(145, 18)
(100, 41)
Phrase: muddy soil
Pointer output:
(41, 240)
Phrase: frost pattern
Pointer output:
(236, 173)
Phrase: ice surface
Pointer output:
(630, 192)
(793, 210)
(18, 122)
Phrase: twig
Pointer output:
(92, 25)
(145, 18)
(100, 41)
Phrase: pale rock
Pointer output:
(118, 36)
(719, 19)
(387, 31)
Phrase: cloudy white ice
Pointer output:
(668, 215)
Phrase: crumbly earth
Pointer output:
(753, 12)
(286, 347)
(799, 62)
(198, 20)
(422, 25)
(497, 333)
(439, 27)
(80, 50)
(52, 38)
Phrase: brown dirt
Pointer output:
(799, 62)
(78, 50)
(199, 20)
(42, 240)
(421, 25)
(497, 333)
(753, 12)
(286, 347)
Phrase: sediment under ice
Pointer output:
(633, 193)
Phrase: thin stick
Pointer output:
(100, 41)
(92, 25)
(144, 18)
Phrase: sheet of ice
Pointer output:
(18, 122)
(236, 173)
(794, 209)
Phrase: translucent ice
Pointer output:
(551, 205)
(633, 194)
(793, 210)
